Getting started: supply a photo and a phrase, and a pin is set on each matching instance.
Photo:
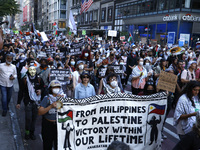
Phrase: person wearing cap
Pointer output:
(48, 110)
(188, 75)
(184, 115)
(84, 89)
(191, 141)
(8, 73)
(30, 91)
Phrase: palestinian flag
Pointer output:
(69, 116)
(56, 33)
(130, 37)
(55, 25)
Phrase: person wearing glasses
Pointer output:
(84, 89)
(188, 75)
(111, 86)
(186, 108)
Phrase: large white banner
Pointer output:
(95, 122)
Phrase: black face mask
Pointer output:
(43, 65)
(111, 54)
(57, 59)
(149, 92)
(51, 63)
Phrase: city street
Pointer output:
(10, 124)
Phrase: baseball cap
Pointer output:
(55, 83)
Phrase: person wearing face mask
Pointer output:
(123, 76)
(44, 72)
(72, 64)
(57, 61)
(48, 110)
(111, 86)
(78, 72)
(31, 89)
(50, 63)
(8, 73)
(102, 69)
(139, 77)
(84, 89)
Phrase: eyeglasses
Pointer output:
(113, 79)
(86, 77)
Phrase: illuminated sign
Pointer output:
(189, 17)
(170, 17)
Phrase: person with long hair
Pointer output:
(184, 116)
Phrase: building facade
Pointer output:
(154, 19)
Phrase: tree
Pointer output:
(9, 7)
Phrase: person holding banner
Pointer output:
(84, 89)
(48, 110)
(184, 115)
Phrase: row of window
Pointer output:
(147, 6)
(92, 16)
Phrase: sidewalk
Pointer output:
(10, 134)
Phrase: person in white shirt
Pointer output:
(8, 73)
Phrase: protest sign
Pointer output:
(93, 123)
(118, 69)
(112, 33)
(76, 49)
(167, 81)
(122, 38)
(41, 54)
(61, 75)
(50, 51)
(44, 36)
(100, 38)
(102, 72)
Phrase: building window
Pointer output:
(62, 24)
(63, 14)
(103, 14)
(95, 16)
(86, 17)
(91, 16)
(82, 18)
(195, 4)
(63, 4)
(110, 12)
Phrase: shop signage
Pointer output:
(189, 17)
(170, 17)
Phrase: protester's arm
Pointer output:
(185, 116)
(135, 78)
(42, 110)
(100, 86)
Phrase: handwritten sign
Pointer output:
(167, 81)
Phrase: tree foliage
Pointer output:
(9, 7)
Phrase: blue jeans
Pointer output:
(6, 93)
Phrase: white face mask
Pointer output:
(121, 63)
(141, 63)
(103, 58)
(56, 90)
(147, 64)
(81, 67)
(73, 63)
(105, 66)
(114, 84)
(86, 54)
(8, 62)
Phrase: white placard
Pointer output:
(112, 33)
(44, 36)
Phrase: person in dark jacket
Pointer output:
(32, 87)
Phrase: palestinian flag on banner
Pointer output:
(130, 37)
(69, 116)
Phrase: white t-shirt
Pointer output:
(187, 75)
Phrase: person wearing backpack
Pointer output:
(32, 88)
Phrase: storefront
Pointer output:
(157, 27)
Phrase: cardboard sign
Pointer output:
(95, 122)
(167, 81)
(118, 69)
(61, 75)
(122, 38)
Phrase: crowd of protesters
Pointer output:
(142, 64)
